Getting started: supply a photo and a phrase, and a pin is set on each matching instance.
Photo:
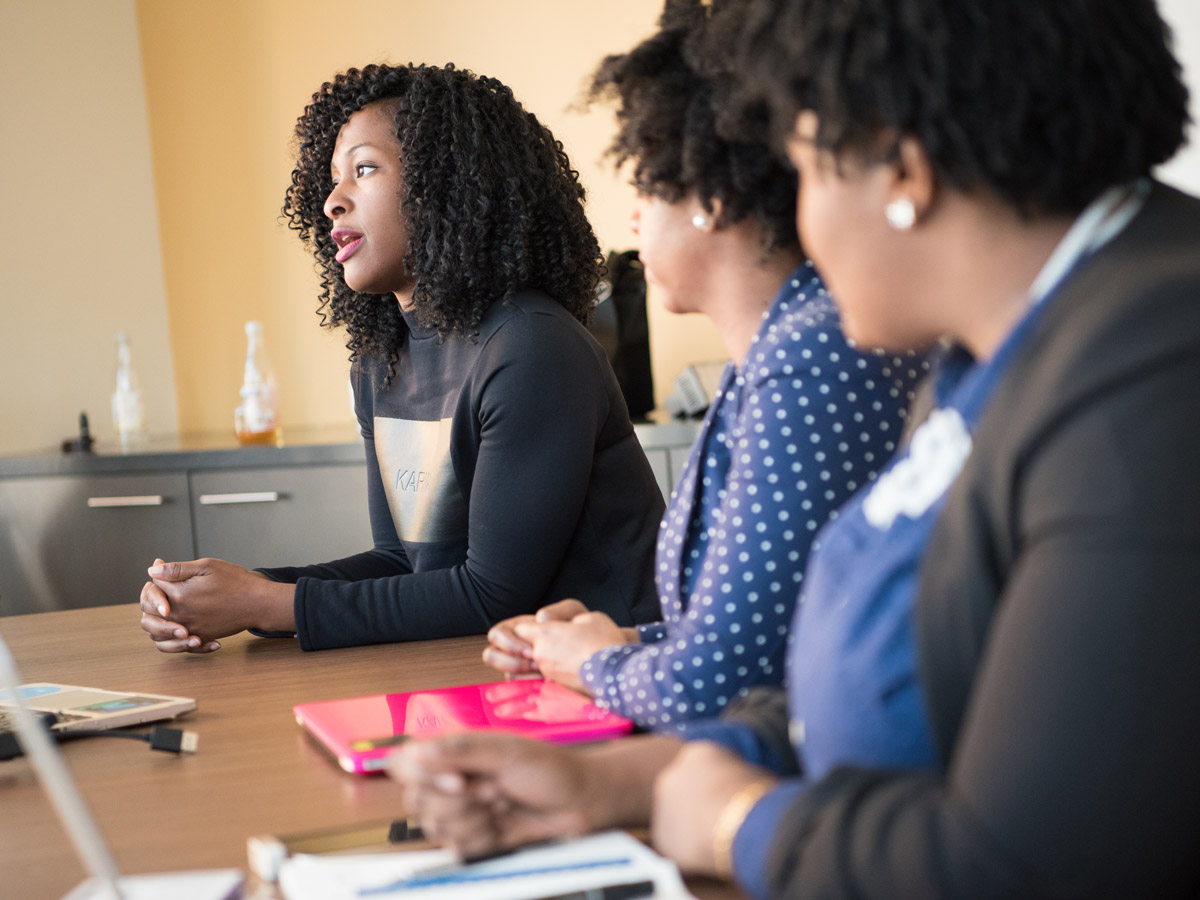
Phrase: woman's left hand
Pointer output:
(561, 648)
(689, 796)
(212, 598)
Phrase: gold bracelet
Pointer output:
(733, 814)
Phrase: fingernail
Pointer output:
(154, 571)
(194, 642)
(180, 632)
(450, 784)
(216, 645)
(162, 610)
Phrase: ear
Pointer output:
(914, 179)
(718, 208)
(708, 219)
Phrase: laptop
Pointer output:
(106, 883)
(75, 708)
(360, 731)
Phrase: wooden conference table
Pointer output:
(255, 772)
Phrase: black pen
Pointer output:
(612, 892)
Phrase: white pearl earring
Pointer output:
(700, 222)
(901, 214)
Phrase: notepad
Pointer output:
(361, 731)
(597, 861)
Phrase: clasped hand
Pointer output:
(555, 642)
(188, 606)
(480, 792)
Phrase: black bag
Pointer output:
(622, 327)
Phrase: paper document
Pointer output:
(205, 884)
(612, 857)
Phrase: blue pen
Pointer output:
(464, 876)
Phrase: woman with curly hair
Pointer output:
(800, 419)
(504, 472)
(979, 174)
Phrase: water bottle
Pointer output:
(128, 412)
(256, 418)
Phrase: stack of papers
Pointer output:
(206, 884)
(598, 861)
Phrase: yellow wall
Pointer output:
(225, 81)
(79, 254)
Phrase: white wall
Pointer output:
(79, 249)
(1184, 18)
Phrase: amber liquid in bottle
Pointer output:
(255, 421)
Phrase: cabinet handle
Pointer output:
(247, 497)
(143, 500)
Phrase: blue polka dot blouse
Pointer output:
(795, 430)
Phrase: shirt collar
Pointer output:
(1102, 220)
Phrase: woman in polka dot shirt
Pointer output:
(801, 420)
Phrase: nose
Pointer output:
(336, 203)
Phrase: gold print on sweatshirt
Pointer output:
(418, 478)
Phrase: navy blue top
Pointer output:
(853, 694)
(793, 432)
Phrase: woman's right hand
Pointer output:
(480, 792)
(168, 636)
(510, 654)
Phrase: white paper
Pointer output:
(612, 857)
(209, 884)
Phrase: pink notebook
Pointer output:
(361, 731)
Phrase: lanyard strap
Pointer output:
(1096, 226)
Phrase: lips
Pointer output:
(347, 242)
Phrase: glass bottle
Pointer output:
(128, 411)
(256, 418)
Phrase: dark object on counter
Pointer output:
(83, 443)
(620, 324)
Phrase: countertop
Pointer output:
(299, 446)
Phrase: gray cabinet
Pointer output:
(281, 516)
(667, 446)
(74, 541)
(81, 529)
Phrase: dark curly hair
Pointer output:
(490, 200)
(1044, 104)
(679, 124)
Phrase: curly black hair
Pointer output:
(1044, 104)
(489, 197)
(680, 125)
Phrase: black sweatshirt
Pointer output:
(504, 474)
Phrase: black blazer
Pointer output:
(1057, 620)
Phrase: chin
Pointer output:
(362, 285)
(671, 301)
(675, 309)
(887, 343)
(873, 338)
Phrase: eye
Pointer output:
(361, 169)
